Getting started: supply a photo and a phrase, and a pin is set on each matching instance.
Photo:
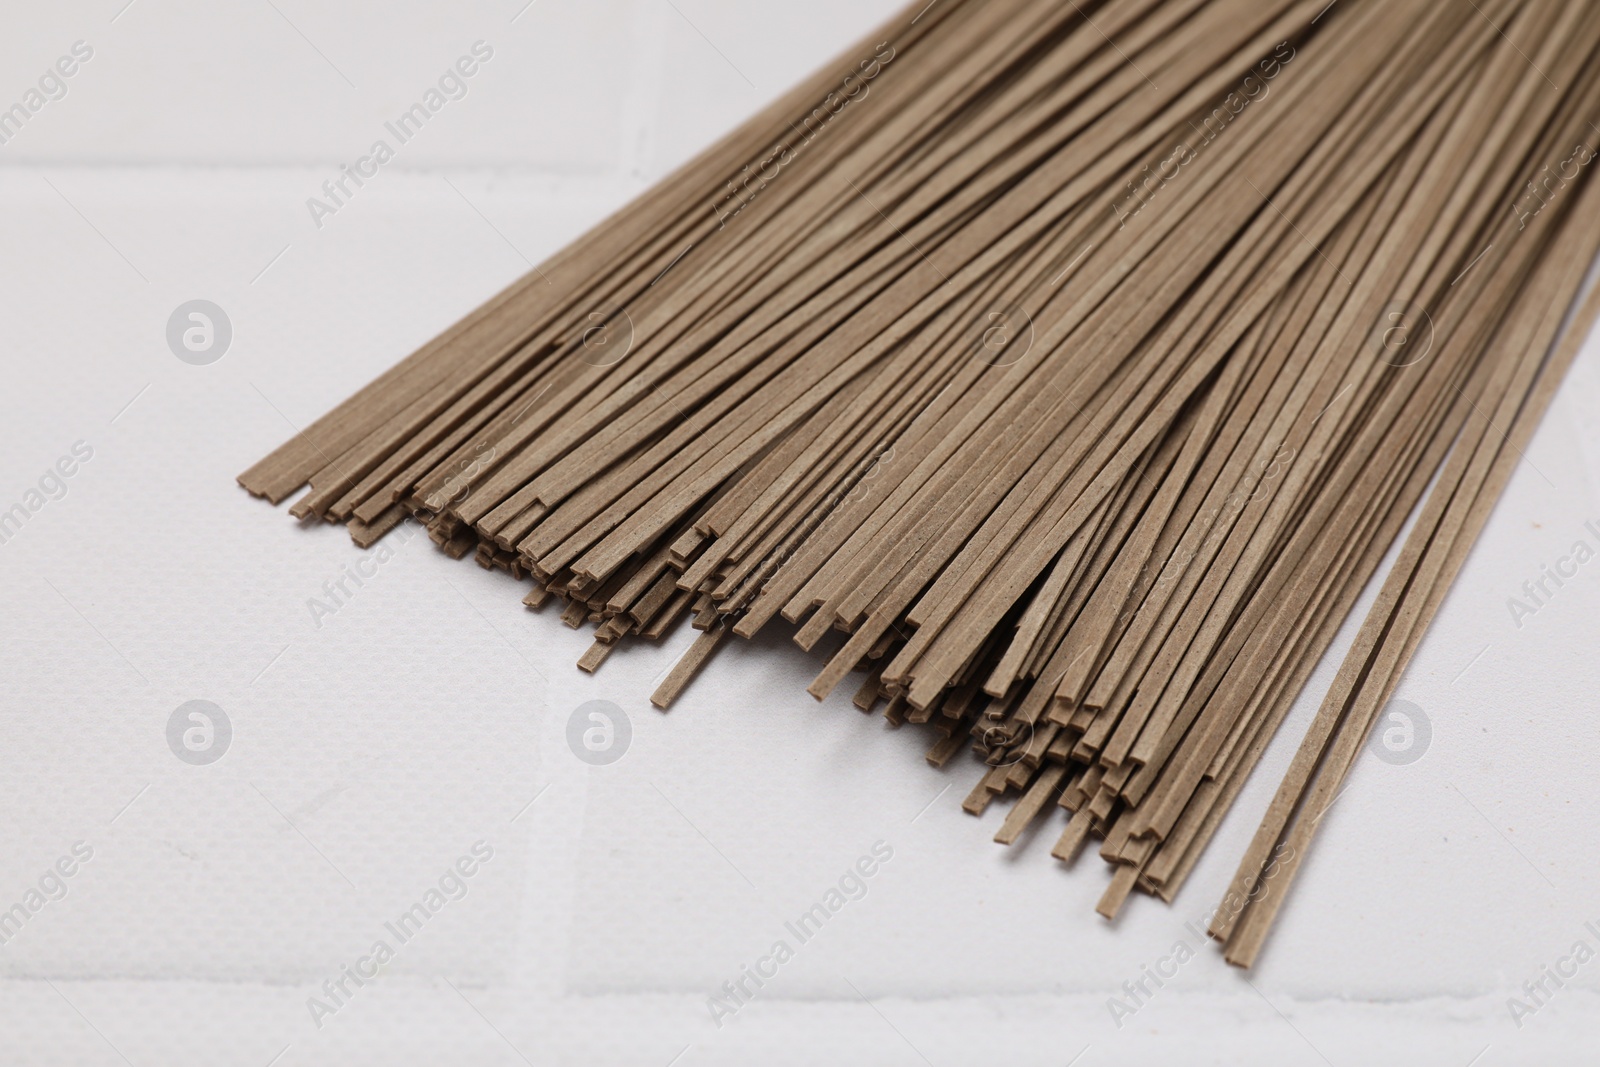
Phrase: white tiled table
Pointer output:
(371, 751)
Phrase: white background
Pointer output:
(371, 751)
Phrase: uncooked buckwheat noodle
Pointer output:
(1078, 363)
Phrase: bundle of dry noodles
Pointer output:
(1079, 363)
